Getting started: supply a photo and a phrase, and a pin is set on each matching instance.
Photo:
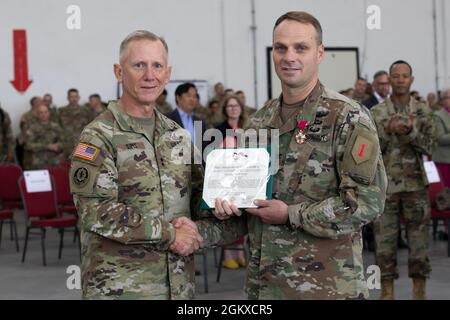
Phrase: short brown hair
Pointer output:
(140, 35)
(302, 17)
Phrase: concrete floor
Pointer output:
(31, 280)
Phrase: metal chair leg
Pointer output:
(448, 237)
(25, 245)
(215, 257)
(15, 235)
(1, 229)
(61, 237)
(11, 231)
(44, 262)
(205, 271)
(219, 271)
(435, 225)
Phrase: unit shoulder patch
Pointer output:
(81, 177)
(362, 149)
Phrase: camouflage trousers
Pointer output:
(414, 210)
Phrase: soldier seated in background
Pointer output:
(162, 105)
(44, 141)
(48, 100)
(73, 118)
(26, 120)
(6, 138)
(95, 105)
(359, 93)
(214, 115)
(248, 110)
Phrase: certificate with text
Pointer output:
(239, 176)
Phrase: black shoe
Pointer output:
(442, 235)
(197, 273)
(401, 244)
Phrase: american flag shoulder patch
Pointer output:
(86, 151)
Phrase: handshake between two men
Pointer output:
(188, 239)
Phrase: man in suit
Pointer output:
(381, 88)
(186, 100)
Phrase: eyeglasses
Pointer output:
(232, 106)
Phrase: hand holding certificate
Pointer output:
(237, 175)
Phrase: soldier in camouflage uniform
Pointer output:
(26, 120)
(132, 193)
(48, 100)
(73, 118)
(95, 105)
(249, 110)
(405, 129)
(305, 243)
(6, 138)
(162, 105)
(359, 93)
(44, 141)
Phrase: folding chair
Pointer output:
(10, 198)
(9, 190)
(203, 252)
(8, 217)
(231, 247)
(437, 215)
(41, 213)
(64, 198)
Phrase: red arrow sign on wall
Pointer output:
(21, 81)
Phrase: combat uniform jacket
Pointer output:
(73, 120)
(164, 108)
(402, 155)
(37, 137)
(441, 148)
(333, 183)
(6, 136)
(127, 190)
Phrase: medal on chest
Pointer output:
(300, 137)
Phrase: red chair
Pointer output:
(41, 213)
(10, 198)
(8, 217)
(9, 190)
(437, 215)
(62, 187)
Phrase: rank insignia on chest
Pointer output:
(300, 137)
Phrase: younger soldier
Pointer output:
(305, 243)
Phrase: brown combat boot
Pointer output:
(387, 289)
(419, 285)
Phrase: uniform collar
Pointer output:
(411, 106)
(127, 123)
(307, 113)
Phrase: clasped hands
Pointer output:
(187, 238)
(399, 126)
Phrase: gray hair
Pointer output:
(140, 35)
